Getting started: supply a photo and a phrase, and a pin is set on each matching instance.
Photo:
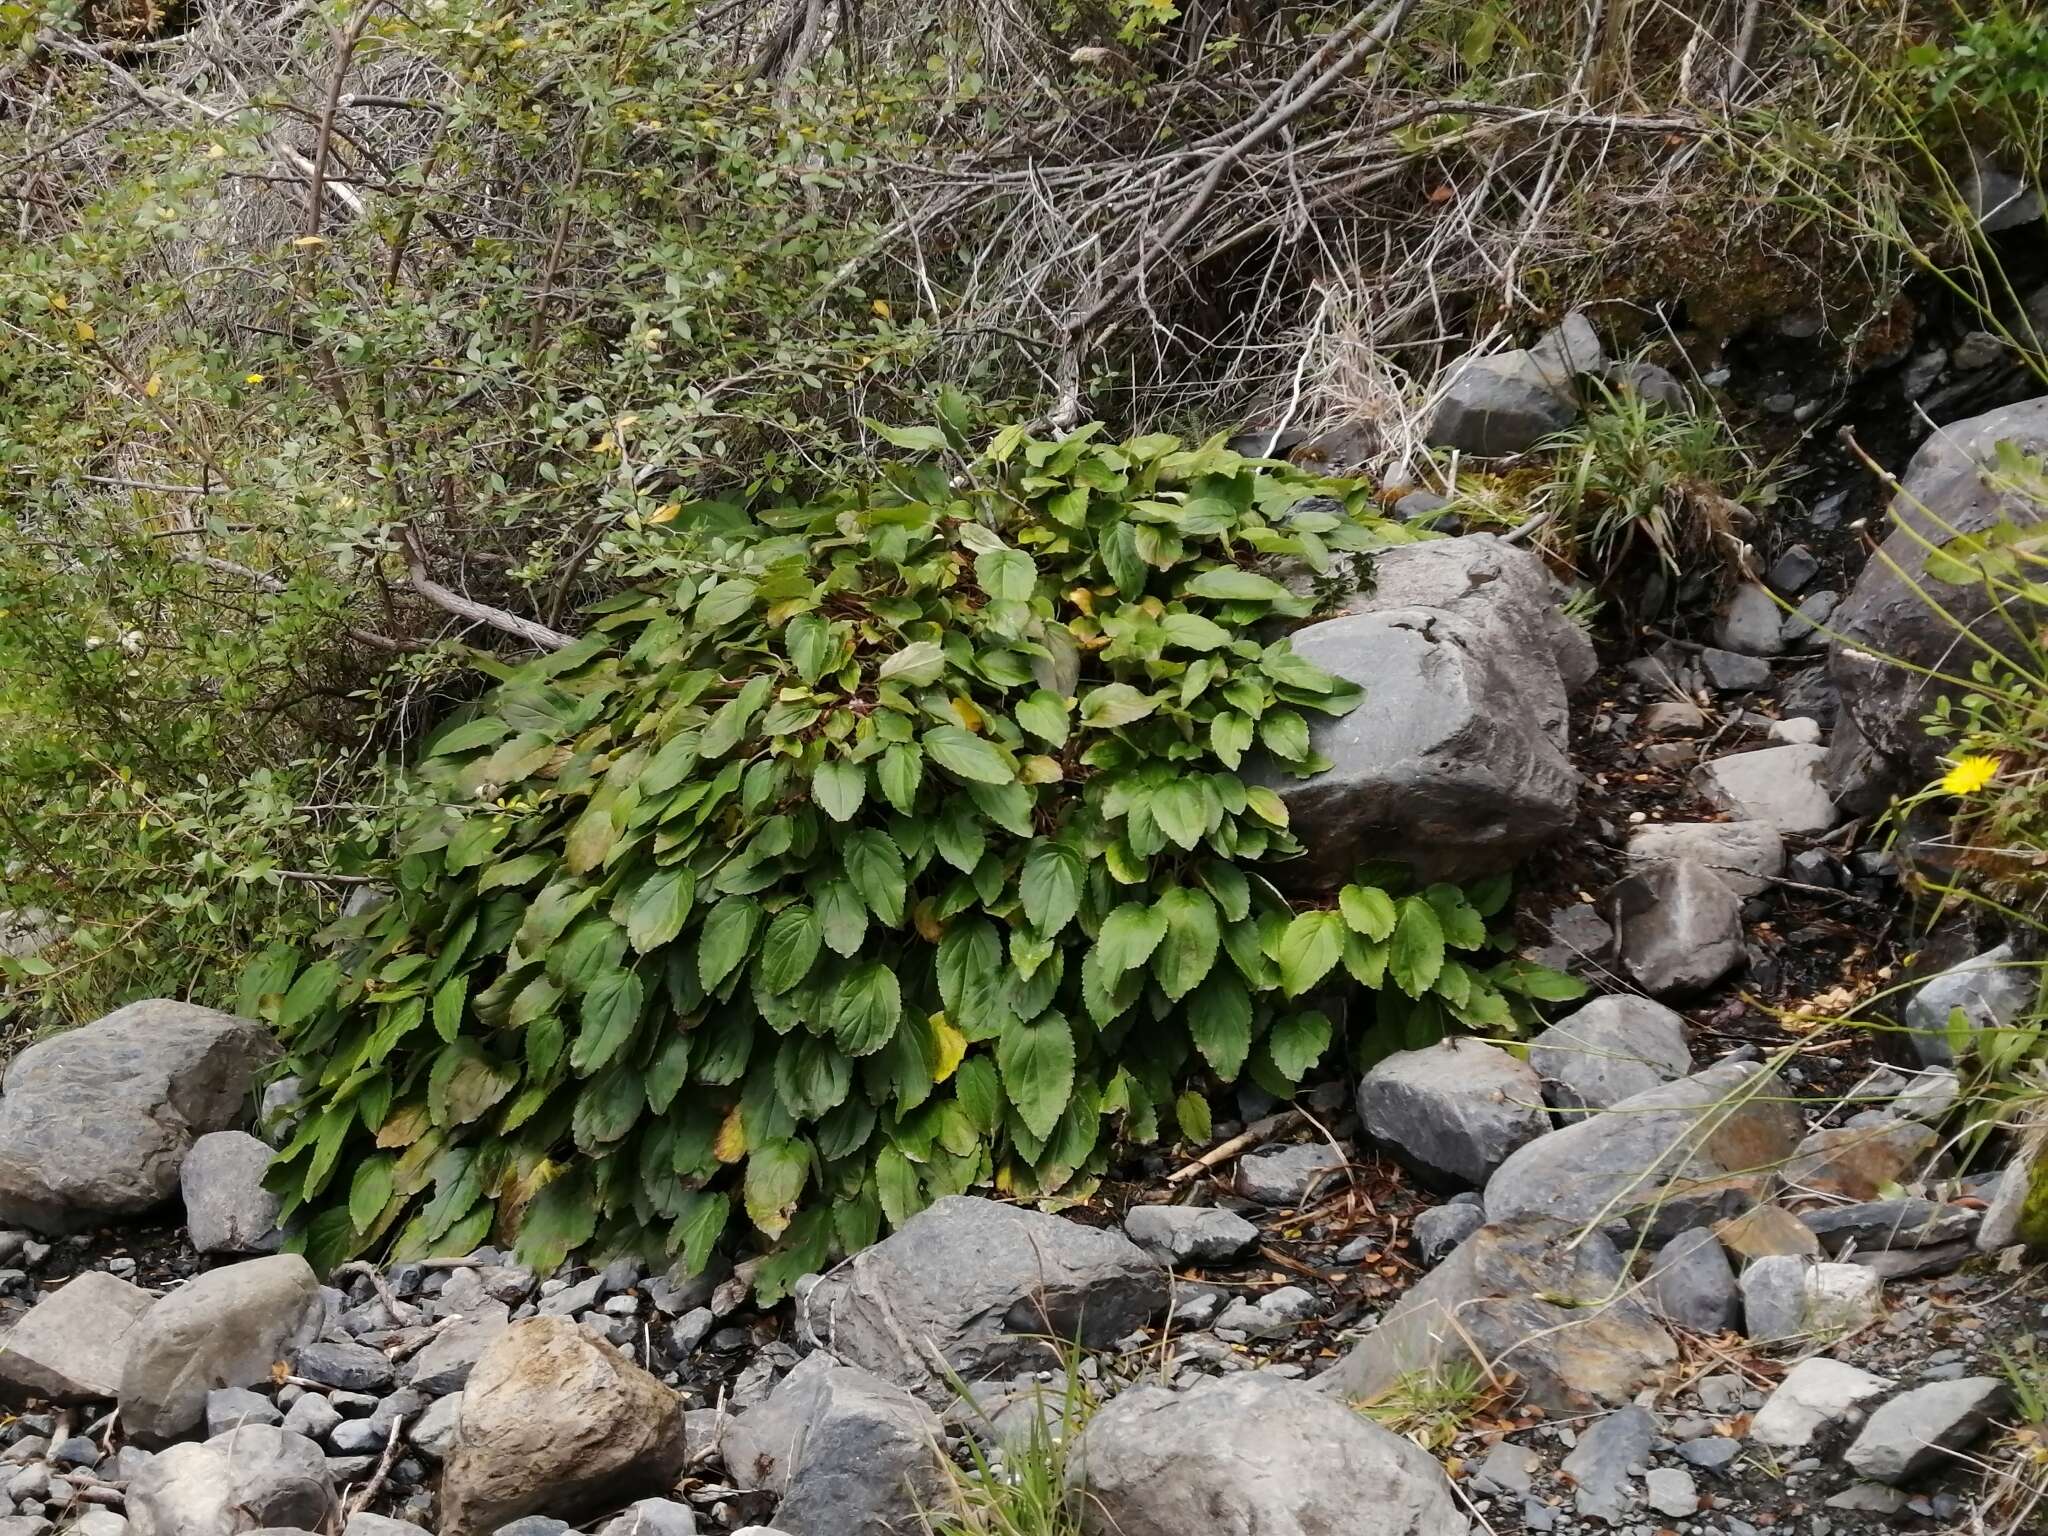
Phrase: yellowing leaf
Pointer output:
(666, 513)
(730, 1145)
(951, 1048)
(965, 712)
(308, 242)
(154, 387)
(880, 307)
(85, 330)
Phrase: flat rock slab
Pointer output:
(96, 1122)
(1886, 1224)
(1187, 1234)
(1857, 1162)
(72, 1345)
(991, 1290)
(1253, 1452)
(1525, 1295)
(1815, 1395)
(1781, 786)
(1992, 990)
(1288, 1176)
(1602, 1463)
(1609, 1050)
(1744, 855)
(1663, 1159)
(1452, 1111)
(1920, 1431)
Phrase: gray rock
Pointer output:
(226, 1328)
(1883, 1224)
(1189, 1234)
(1733, 672)
(1671, 1492)
(1446, 765)
(1788, 1297)
(650, 1517)
(554, 1421)
(356, 1437)
(96, 1122)
(312, 1416)
(1507, 1468)
(1541, 1298)
(1890, 639)
(573, 1299)
(1992, 989)
(1441, 1228)
(1779, 785)
(1997, 199)
(1601, 1464)
(1608, 1050)
(1750, 625)
(1452, 1111)
(1649, 383)
(2010, 1195)
(1927, 1095)
(1580, 940)
(1570, 350)
(252, 1476)
(1815, 1395)
(535, 1525)
(1500, 404)
(1919, 1431)
(228, 1407)
(444, 1365)
(1674, 717)
(1710, 1453)
(1287, 1176)
(345, 1367)
(1274, 1315)
(1662, 1159)
(1920, 376)
(1252, 1452)
(227, 1209)
(383, 1525)
(433, 1435)
(1745, 856)
(1792, 570)
(1859, 1162)
(24, 1525)
(1681, 928)
(985, 1288)
(844, 1451)
(1804, 624)
(71, 1346)
(1869, 1499)
(1027, 1413)
(1978, 349)
(1692, 1284)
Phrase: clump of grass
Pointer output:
(1021, 1489)
(1431, 1404)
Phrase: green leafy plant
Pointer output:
(898, 843)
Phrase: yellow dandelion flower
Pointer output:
(1971, 773)
(252, 378)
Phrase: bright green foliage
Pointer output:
(871, 854)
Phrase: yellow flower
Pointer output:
(252, 378)
(1971, 773)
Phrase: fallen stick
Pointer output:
(1250, 1136)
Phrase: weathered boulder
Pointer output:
(1785, 1297)
(1992, 989)
(991, 1290)
(1611, 1048)
(1288, 1175)
(556, 1422)
(72, 1345)
(1501, 403)
(1745, 856)
(1452, 1111)
(1784, 787)
(227, 1209)
(245, 1480)
(1189, 1234)
(847, 1453)
(1664, 1159)
(96, 1122)
(1692, 1284)
(1446, 764)
(226, 1328)
(1858, 1162)
(1889, 637)
(1524, 1295)
(1253, 1453)
(1920, 1431)
(1681, 928)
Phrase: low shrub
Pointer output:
(890, 845)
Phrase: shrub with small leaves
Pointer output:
(869, 851)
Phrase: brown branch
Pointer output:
(317, 177)
(447, 598)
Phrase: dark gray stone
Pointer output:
(228, 1407)
(1287, 1176)
(1779, 785)
(1441, 1228)
(345, 1367)
(1992, 989)
(95, 1122)
(1752, 623)
(444, 1365)
(1681, 927)
(227, 1209)
(1452, 1111)
(1252, 1452)
(1792, 570)
(985, 1288)
(1733, 672)
(1920, 1430)
(1501, 404)
(1692, 1284)
(72, 1346)
(1189, 1234)
(847, 1453)
(1608, 1050)
(1602, 1465)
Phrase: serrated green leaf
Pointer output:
(657, 909)
(1006, 575)
(776, 1174)
(1313, 942)
(1367, 910)
(1191, 1112)
(1230, 584)
(1297, 1042)
(978, 1088)
(449, 1001)
(1219, 1015)
(789, 948)
(866, 1007)
(973, 982)
(725, 939)
(1129, 935)
(967, 756)
(1284, 733)
(842, 917)
(1050, 886)
(1415, 952)
(1188, 951)
(899, 771)
(839, 787)
(875, 868)
(1181, 811)
(1036, 1060)
(918, 665)
(1044, 715)
(1114, 705)
(370, 1191)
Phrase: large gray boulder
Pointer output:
(1664, 1159)
(556, 1422)
(847, 1453)
(95, 1123)
(1446, 764)
(226, 1328)
(1921, 1431)
(1610, 1049)
(1253, 1453)
(1452, 1111)
(227, 1209)
(253, 1477)
(1530, 1296)
(1888, 636)
(972, 1288)
(72, 1345)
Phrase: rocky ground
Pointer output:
(1696, 1260)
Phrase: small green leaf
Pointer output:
(1188, 950)
(1115, 704)
(1044, 715)
(1284, 734)
(1297, 1042)
(842, 917)
(1006, 575)
(1050, 886)
(898, 1186)
(657, 909)
(776, 1174)
(725, 938)
(899, 772)
(1191, 1111)
(866, 1007)
(789, 948)
(1416, 951)
(1230, 584)
(875, 867)
(1313, 942)
(611, 1012)
(449, 1000)
(918, 665)
(1219, 1017)
(369, 1191)
(1367, 910)
(1129, 935)
(967, 756)
(1037, 1064)
(840, 786)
